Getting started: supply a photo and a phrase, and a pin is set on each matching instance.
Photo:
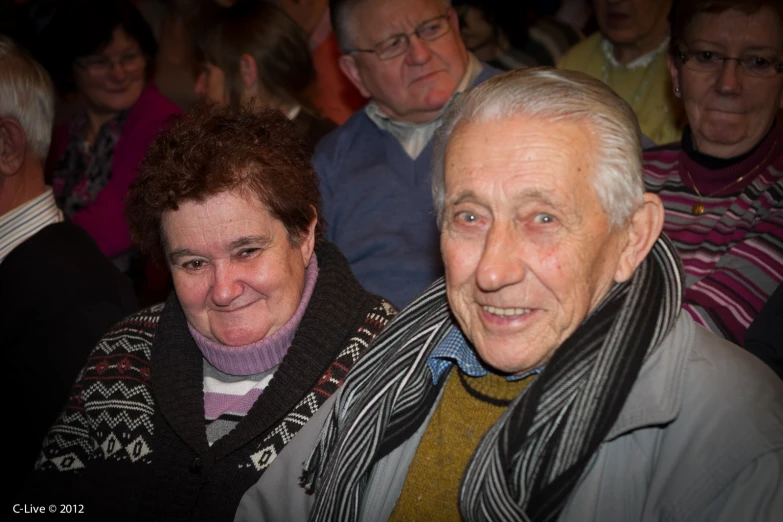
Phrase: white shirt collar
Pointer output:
(643, 61)
(414, 137)
(26, 220)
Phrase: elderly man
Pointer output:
(551, 375)
(58, 293)
(629, 55)
(407, 56)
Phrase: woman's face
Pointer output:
(112, 81)
(237, 276)
(211, 84)
(730, 111)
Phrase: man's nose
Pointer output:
(226, 286)
(501, 262)
(418, 51)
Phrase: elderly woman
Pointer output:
(102, 51)
(629, 55)
(256, 55)
(182, 407)
(722, 185)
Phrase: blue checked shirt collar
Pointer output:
(455, 349)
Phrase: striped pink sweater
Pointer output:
(733, 252)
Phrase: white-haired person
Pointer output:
(58, 293)
(551, 375)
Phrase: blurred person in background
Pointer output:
(722, 185)
(171, 22)
(629, 55)
(58, 293)
(510, 35)
(335, 96)
(256, 55)
(183, 406)
(102, 50)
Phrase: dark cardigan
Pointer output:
(132, 442)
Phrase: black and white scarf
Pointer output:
(528, 463)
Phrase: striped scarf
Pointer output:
(527, 464)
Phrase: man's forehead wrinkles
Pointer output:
(405, 23)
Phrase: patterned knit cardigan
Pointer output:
(131, 443)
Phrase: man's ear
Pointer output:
(675, 76)
(349, 68)
(13, 145)
(643, 231)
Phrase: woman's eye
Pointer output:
(757, 62)
(194, 264)
(707, 56)
(543, 219)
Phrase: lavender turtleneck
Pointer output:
(264, 354)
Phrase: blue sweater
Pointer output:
(377, 202)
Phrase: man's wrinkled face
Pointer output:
(416, 85)
(527, 245)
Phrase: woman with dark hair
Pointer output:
(722, 185)
(103, 51)
(254, 54)
(183, 406)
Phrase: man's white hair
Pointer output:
(344, 25)
(26, 95)
(557, 95)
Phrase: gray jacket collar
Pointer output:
(656, 397)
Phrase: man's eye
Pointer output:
(247, 252)
(544, 218)
(466, 217)
(430, 29)
(391, 44)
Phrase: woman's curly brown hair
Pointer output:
(216, 149)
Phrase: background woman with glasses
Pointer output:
(722, 185)
(102, 51)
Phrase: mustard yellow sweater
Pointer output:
(468, 407)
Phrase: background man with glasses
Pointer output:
(408, 58)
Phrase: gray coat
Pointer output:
(699, 439)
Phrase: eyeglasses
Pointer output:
(711, 62)
(398, 44)
(101, 65)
